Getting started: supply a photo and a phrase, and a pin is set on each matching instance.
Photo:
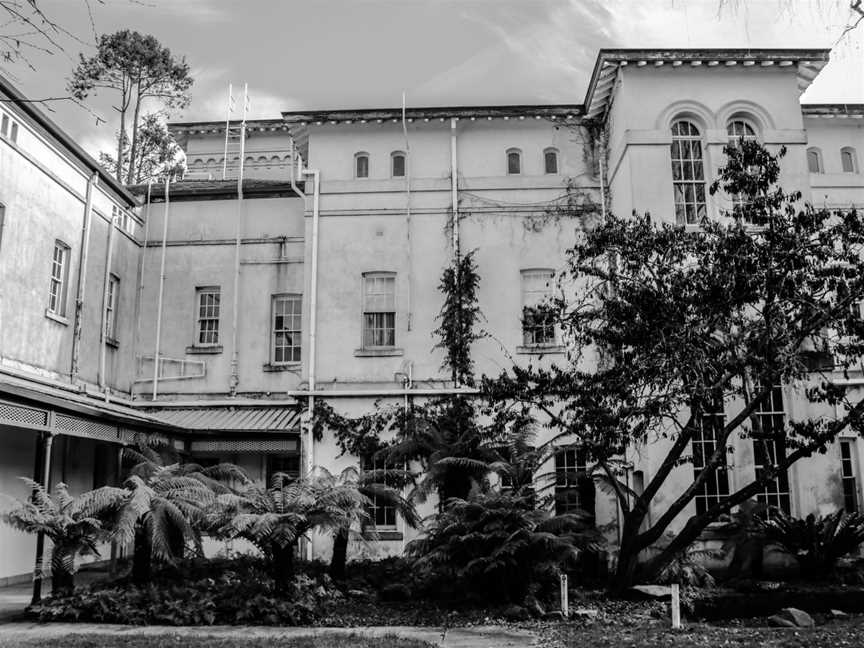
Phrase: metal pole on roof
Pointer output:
(227, 130)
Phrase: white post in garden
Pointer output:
(676, 606)
(565, 596)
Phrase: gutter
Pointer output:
(82, 275)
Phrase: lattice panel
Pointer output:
(76, 426)
(19, 415)
(245, 445)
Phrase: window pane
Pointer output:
(398, 166)
(287, 328)
(813, 162)
(551, 159)
(848, 161)
(688, 173)
(514, 163)
(362, 166)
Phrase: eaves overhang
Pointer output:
(807, 63)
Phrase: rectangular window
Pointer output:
(111, 307)
(379, 310)
(287, 328)
(125, 221)
(208, 301)
(847, 475)
(538, 320)
(769, 447)
(380, 513)
(288, 464)
(59, 279)
(4, 125)
(716, 487)
(574, 488)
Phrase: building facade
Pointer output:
(232, 305)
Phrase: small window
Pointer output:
(847, 160)
(124, 219)
(398, 164)
(208, 302)
(8, 128)
(538, 319)
(289, 464)
(574, 488)
(2, 223)
(715, 489)
(361, 165)
(111, 302)
(381, 514)
(514, 162)
(287, 329)
(379, 310)
(847, 475)
(814, 160)
(4, 126)
(59, 279)
(550, 161)
(740, 130)
(13, 132)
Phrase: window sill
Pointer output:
(383, 535)
(288, 366)
(204, 350)
(540, 349)
(112, 342)
(378, 353)
(57, 318)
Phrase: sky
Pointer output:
(365, 53)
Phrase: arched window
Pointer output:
(740, 129)
(397, 164)
(514, 161)
(848, 160)
(688, 174)
(550, 161)
(361, 165)
(814, 161)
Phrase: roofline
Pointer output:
(661, 55)
(187, 127)
(28, 108)
(226, 191)
(433, 112)
(833, 109)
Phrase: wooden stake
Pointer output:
(565, 596)
(676, 607)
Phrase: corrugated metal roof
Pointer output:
(231, 419)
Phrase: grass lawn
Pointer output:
(163, 641)
(835, 634)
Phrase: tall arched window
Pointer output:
(514, 161)
(397, 164)
(550, 160)
(361, 165)
(848, 160)
(814, 160)
(740, 129)
(688, 174)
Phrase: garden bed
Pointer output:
(762, 601)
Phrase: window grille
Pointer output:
(287, 328)
(208, 316)
(769, 448)
(538, 318)
(379, 310)
(688, 174)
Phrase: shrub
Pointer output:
(498, 547)
(816, 543)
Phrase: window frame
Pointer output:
(2, 223)
(200, 292)
(518, 153)
(697, 186)
(702, 446)
(364, 310)
(357, 157)
(772, 445)
(8, 127)
(373, 509)
(551, 150)
(297, 299)
(60, 297)
(820, 162)
(848, 474)
(529, 338)
(853, 159)
(112, 302)
(393, 156)
(570, 466)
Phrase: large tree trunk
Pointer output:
(283, 567)
(340, 555)
(141, 558)
(133, 150)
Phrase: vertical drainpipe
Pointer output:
(235, 370)
(161, 289)
(313, 324)
(454, 191)
(103, 337)
(82, 276)
(602, 175)
(139, 293)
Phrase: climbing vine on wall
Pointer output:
(457, 318)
